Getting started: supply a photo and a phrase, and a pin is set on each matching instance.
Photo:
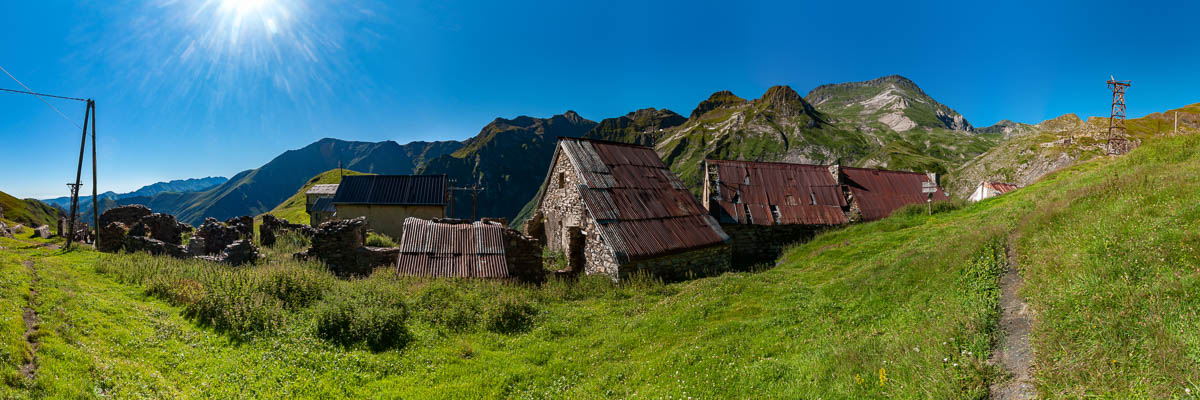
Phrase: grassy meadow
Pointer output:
(904, 307)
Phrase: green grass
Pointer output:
(292, 209)
(29, 212)
(905, 307)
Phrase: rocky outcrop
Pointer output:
(215, 236)
(127, 215)
(272, 227)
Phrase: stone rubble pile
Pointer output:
(340, 244)
(272, 227)
(135, 228)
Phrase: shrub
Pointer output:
(380, 240)
(510, 315)
(232, 304)
(442, 305)
(368, 314)
(295, 286)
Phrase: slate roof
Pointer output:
(324, 204)
(324, 189)
(879, 192)
(392, 190)
(641, 208)
(433, 249)
(767, 193)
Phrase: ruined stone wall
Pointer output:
(755, 244)
(387, 219)
(696, 263)
(523, 255)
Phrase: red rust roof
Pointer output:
(641, 208)
(1001, 187)
(879, 192)
(474, 250)
(767, 193)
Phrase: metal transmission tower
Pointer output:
(1117, 141)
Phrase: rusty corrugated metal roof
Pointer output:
(474, 250)
(766, 193)
(879, 192)
(641, 208)
(392, 190)
(1001, 187)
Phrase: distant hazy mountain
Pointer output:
(179, 185)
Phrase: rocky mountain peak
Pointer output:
(715, 101)
(783, 100)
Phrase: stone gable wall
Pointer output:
(562, 205)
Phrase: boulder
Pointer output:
(112, 237)
(127, 215)
(42, 231)
(4, 231)
(18, 229)
(240, 252)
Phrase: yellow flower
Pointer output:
(882, 376)
(858, 379)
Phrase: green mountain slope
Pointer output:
(644, 127)
(1057, 143)
(508, 159)
(29, 212)
(292, 209)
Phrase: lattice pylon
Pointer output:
(1116, 121)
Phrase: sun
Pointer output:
(244, 8)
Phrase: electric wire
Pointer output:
(39, 96)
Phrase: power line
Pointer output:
(39, 96)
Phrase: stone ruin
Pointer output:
(340, 244)
(244, 225)
(42, 232)
(135, 228)
(272, 227)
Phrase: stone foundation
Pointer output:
(757, 244)
(676, 267)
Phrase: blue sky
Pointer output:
(194, 88)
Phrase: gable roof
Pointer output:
(1000, 187)
(766, 193)
(641, 208)
(879, 192)
(474, 250)
(323, 189)
(392, 190)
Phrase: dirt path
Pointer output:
(1015, 353)
(29, 369)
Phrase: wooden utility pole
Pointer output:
(88, 114)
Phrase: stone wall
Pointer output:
(126, 215)
(598, 256)
(696, 263)
(561, 209)
(339, 243)
(272, 227)
(756, 244)
(523, 255)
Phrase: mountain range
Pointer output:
(887, 122)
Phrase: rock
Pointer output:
(216, 236)
(127, 215)
(163, 227)
(112, 237)
(196, 246)
(240, 252)
(272, 227)
(138, 229)
(4, 231)
(153, 246)
(42, 231)
(244, 226)
(18, 229)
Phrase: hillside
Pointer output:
(292, 209)
(176, 186)
(1032, 151)
(29, 212)
(508, 159)
(889, 309)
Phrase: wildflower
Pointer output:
(917, 349)
(945, 359)
(858, 380)
(882, 376)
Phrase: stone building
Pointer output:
(317, 192)
(387, 200)
(322, 210)
(461, 249)
(615, 209)
(987, 190)
(766, 206)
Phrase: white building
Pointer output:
(990, 189)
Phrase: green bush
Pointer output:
(442, 305)
(380, 240)
(509, 314)
(368, 314)
(297, 287)
(231, 304)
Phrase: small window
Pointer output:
(562, 179)
(775, 213)
(749, 217)
(812, 197)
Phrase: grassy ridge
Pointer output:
(29, 211)
(292, 209)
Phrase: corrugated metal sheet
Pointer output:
(879, 192)
(434, 249)
(324, 204)
(1001, 187)
(329, 189)
(641, 208)
(392, 190)
(763, 193)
